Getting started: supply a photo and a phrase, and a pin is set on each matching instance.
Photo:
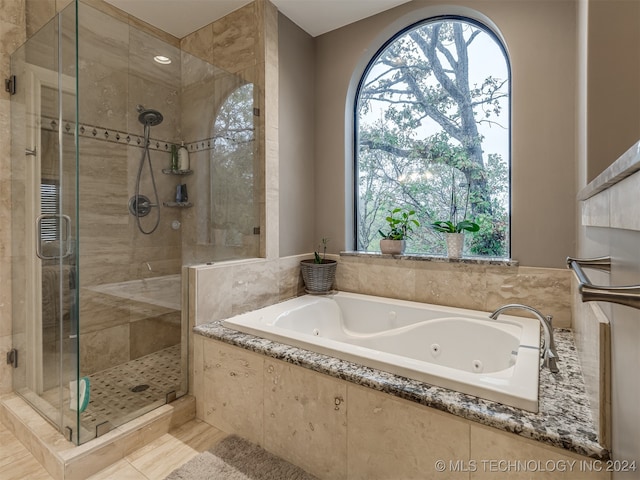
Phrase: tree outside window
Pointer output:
(432, 135)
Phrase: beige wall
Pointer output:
(613, 101)
(541, 39)
(296, 101)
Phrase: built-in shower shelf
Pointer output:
(178, 204)
(168, 171)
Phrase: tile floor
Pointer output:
(113, 396)
(152, 462)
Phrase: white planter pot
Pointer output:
(392, 247)
(455, 242)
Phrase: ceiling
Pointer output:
(181, 17)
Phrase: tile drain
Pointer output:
(139, 388)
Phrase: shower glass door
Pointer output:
(44, 223)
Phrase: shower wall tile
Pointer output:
(43, 46)
(196, 220)
(157, 96)
(156, 32)
(37, 14)
(107, 8)
(5, 296)
(5, 219)
(154, 85)
(6, 371)
(142, 48)
(62, 4)
(269, 35)
(104, 349)
(99, 311)
(155, 264)
(151, 334)
(12, 35)
(303, 408)
(5, 65)
(199, 43)
(13, 11)
(197, 98)
(235, 39)
(99, 268)
(6, 134)
(102, 72)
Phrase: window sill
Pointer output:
(506, 262)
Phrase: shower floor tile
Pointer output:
(113, 391)
(123, 392)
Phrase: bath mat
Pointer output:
(236, 459)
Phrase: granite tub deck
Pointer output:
(564, 418)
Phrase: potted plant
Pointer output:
(393, 241)
(318, 273)
(454, 234)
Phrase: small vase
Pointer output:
(455, 242)
(392, 247)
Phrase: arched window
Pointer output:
(432, 134)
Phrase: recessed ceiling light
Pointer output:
(161, 59)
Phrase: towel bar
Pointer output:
(623, 295)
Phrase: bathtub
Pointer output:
(453, 348)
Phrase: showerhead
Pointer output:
(149, 117)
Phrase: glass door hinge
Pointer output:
(12, 358)
(10, 84)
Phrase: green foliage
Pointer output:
(316, 254)
(490, 240)
(445, 226)
(399, 227)
(419, 143)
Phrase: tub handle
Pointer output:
(628, 295)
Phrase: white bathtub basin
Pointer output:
(458, 349)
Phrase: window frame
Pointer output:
(355, 120)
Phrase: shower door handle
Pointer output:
(64, 220)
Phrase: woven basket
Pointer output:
(318, 277)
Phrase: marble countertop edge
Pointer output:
(627, 164)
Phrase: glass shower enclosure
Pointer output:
(99, 335)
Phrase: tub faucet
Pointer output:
(549, 354)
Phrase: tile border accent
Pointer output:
(124, 138)
(104, 134)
